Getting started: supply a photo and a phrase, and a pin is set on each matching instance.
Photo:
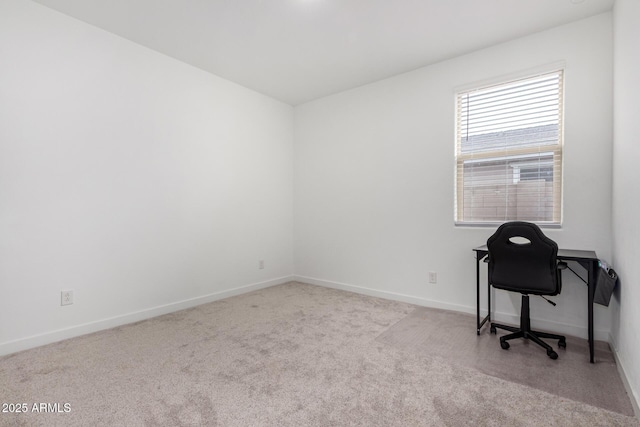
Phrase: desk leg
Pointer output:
(488, 301)
(479, 257)
(593, 265)
(478, 293)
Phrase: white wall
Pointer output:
(146, 185)
(374, 178)
(626, 197)
(139, 182)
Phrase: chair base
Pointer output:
(526, 332)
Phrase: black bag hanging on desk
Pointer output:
(605, 283)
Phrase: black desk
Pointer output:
(587, 259)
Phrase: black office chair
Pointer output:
(528, 266)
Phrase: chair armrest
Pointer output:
(562, 265)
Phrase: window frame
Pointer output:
(556, 150)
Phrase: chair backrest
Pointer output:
(522, 259)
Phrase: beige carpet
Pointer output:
(451, 336)
(290, 355)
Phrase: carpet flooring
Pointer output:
(289, 355)
(448, 335)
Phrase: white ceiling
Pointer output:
(299, 50)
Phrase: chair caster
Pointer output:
(505, 345)
(492, 330)
(552, 354)
(562, 343)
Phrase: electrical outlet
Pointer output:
(66, 297)
(433, 277)
(261, 264)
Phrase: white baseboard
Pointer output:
(556, 327)
(385, 294)
(99, 325)
(634, 395)
(576, 331)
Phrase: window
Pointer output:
(509, 152)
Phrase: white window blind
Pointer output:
(509, 151)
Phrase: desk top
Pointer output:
(576, 254)
(565, 254)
